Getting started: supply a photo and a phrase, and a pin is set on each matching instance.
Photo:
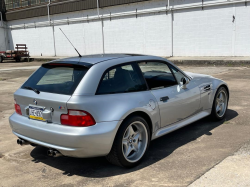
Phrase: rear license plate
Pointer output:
(36, 113)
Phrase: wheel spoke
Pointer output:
(124, 147)
(135, 144)
(221, 97)
(218, 108)
(131, 131)
(128, 151)
(137, 135)
(218, 100)
(222, 106)
(125, 141)
(128, 133)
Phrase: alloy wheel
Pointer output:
(221, 103)
(134, 142)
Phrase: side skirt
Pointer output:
(180, 124)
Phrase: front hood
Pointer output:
(194, 75)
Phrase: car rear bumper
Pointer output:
(80, 142)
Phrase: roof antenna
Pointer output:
(71, 43)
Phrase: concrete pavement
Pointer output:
(231, 172)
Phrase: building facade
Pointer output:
(156, 27)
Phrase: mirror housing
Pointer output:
(184, 82)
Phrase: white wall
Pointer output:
(242, 30)
(38, 40)
(147, 34)
(86, 37)
(203, 32)
(196, 32)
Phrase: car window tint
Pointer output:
(157, 74)
(57, 76)
(178, 75)
(122, 79)
(56, 79)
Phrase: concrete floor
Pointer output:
(199, 154)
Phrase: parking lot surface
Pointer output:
(187, 156)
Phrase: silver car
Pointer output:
(111, 105)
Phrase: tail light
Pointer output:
(18, 108)
(77, 118)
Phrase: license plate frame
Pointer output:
(35, 112)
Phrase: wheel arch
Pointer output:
(145, 116)
(226, 87)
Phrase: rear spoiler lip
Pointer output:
(73, 63)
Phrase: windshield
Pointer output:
(56, 79)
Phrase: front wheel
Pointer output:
(220, 104)
(131, 142)
(1, 59)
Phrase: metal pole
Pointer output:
(172, 28)
(54, 38)
(103, 43)
(172, 33)
(48, 10)
(1, 19)
(98, 12)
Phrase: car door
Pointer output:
(175, 103)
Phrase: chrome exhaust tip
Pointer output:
(22, 142)
(56, 154)
(50, 152)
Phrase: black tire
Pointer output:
(18, 59)
(1, 59)
(215, 115)
(116, 155)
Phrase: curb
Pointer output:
(211, 62)
(43, 59)
(184, 62)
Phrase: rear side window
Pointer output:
(56, 79)
(122, 79)
(157, 74)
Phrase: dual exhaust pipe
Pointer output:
(22, 142)
(50, 152)
(53, 153)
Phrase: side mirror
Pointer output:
(184, 82)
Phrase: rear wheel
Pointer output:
(18, 59)
(220, 104)
(131, 142)
(1, 59)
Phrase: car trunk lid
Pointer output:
(53, 105)
(45, 94)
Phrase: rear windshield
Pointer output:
(56, 79)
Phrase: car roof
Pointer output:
(90, 60)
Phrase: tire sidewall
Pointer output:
(119, 137)
(215, 115)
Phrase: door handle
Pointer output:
(164, 98)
